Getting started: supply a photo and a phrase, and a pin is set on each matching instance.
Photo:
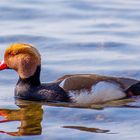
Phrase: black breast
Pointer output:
(32, 89)
(43, 92)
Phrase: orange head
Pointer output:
(23, 58)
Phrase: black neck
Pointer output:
(33, 80)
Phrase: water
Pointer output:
(82, 36)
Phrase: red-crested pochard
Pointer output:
(79, 88)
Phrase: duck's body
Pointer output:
(91, 88)
(81, 88)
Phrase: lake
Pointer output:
(81, 36)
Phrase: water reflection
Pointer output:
(82, 128)
(29, 115)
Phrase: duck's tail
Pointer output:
(133, 90)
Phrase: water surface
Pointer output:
(82, 36)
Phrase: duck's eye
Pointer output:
(12, 53)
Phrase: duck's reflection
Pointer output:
(88, 129)
(30, 116)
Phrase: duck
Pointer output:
(78, 88)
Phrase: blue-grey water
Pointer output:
(73, 36)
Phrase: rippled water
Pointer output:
(82, 36)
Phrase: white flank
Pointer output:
(62, 84)
(101, 92)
